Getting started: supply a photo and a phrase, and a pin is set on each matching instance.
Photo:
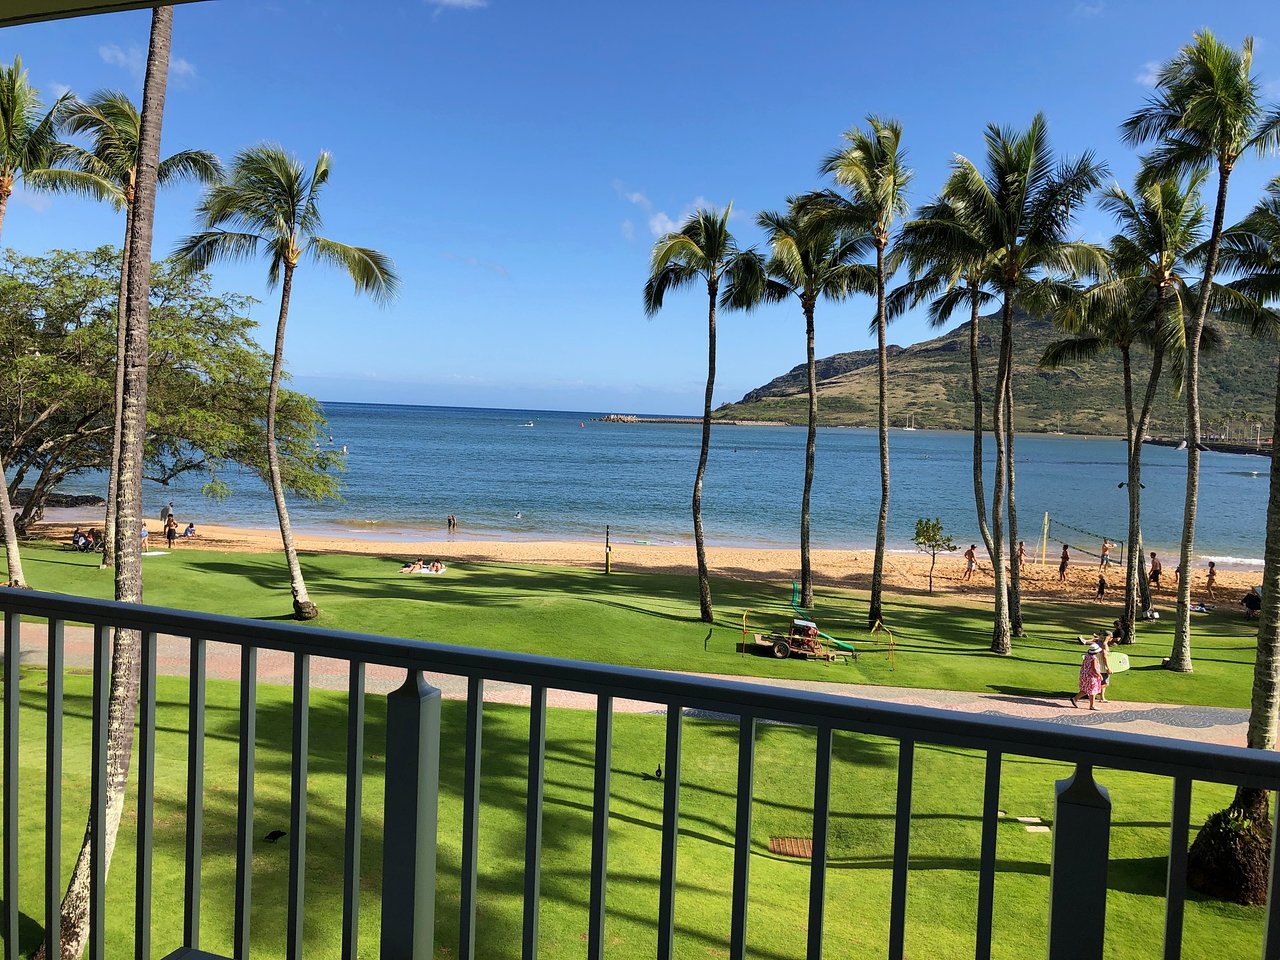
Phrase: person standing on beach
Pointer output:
(970, 562)
(1022, 555)
(1102, 586)
(166, 512)
(1156, 570)
(1062, 564)
(1213, 578)
(171, 530)
(1106, 554)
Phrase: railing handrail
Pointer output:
(906, 722)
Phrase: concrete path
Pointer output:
(1202, 724)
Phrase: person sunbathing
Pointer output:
(414, 567)
(435, 567)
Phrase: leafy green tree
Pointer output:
(1230, 854)
(704, 249)
(108, 170)
(930, 538)
(811, 259)
(270, 203)
(207, 382)
(1019, 214)
(1206, 112)
(28, 137)
(873, 167)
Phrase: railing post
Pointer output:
(1078, 870)
(409, 820)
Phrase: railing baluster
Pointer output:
(670, 835)
(98, 803)
(1078, 868)
(600, 828)
(195, 792)
(742, 838)
(146, 797)
(821, 821)
(53, 794)
(298, 804)
(12, 660)
(471, 819)
(354, 820)
(1271, 934)
(987, 855)
(244, 806)
(901, 849)
(533, 820)
(411, 802)
(1176, 886)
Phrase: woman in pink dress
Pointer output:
(1090, 677)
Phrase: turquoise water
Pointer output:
(566, 477)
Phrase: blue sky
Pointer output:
(516, 160)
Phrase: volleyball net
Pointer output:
(1080, 540)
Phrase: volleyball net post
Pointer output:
(1044, 544)
(1059, 530)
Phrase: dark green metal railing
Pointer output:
(1077, 907)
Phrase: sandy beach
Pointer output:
(907, 572)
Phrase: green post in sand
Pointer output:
(608, 551)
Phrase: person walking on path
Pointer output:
(970, 562)
(1103, 663)
(1062, 564)
(1106, 554)
(1090, 677)
(1213, 578)
(1156, 570)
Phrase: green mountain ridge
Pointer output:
(930, 382)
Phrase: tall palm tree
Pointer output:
(1252, 248)
(704, 249)
(28, 137)
(108, 170)
(1144, 300)
(1019, 213)
(873, 167)
(123, 696)
(1205, 112)
(812, 257)
(948, 268)
(270, 203)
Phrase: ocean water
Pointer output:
(523, 474)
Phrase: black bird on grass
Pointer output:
(275, 835)
(657, 774)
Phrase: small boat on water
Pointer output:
(911, 423)
(528, 424)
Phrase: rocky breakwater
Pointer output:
(632, 418)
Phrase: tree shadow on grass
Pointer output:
(30, 932)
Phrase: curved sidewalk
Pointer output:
(1184, 722)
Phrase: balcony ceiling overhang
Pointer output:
(13, 12)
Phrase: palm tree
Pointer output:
(873, 167)
(1252, 248)
(123, 696)
(1205, 112)
(704, 249)
(108, 171)
(1144, 300)
(947, 263)
(1018, 214)
(269, 203)
(811, 258)
(28, 137)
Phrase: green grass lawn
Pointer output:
(944, 839)
(651, 620)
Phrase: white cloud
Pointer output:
(457, 4)
(182, 68)
(628, 230)
(58, 89)
(135, 61)
(1084, 9)
(39, 202)
(1149, 74)
(660, 222)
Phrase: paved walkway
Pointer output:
(1202, 724)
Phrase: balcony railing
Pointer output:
(1081, 823)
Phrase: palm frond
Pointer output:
(371, 271)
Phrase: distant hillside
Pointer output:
(930, 380)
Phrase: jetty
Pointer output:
(632, 418)
(1217, 446)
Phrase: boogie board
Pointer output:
(1119, 662)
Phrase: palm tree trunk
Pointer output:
(1015, 575)
(1180, 657)
(975, 382)
(123, 696)
(810, 450)
(1130, 615)
(113, 475)
(875, 612)
(11, 553)
(1136, 591)
(699, 539)
(303, 608)
(1001, 639)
